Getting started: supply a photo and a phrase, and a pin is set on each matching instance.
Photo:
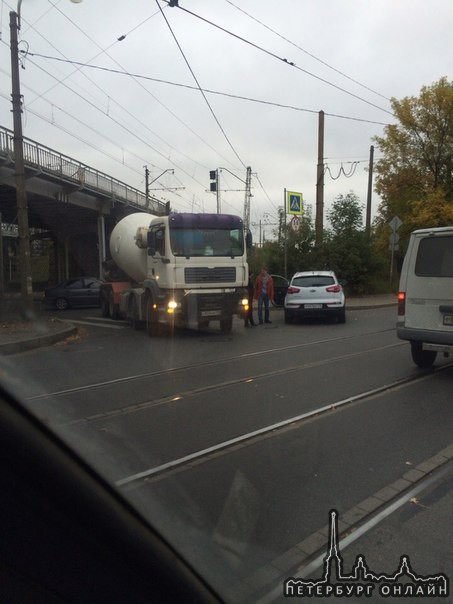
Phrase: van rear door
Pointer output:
(429, 287)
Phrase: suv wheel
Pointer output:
(288, 318)
(422, 358)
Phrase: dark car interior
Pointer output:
(67, 536)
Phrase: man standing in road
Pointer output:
(264, 292)
(250, 295)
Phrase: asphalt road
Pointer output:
(248, 440)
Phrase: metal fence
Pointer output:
(47, 161)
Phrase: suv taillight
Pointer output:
(334, 289)
(292, 290)
(401, 304)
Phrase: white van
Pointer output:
(425, 298)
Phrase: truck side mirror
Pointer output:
(151, 244)
(248, 240)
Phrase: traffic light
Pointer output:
(213, 185)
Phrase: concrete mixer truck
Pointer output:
(177, 270)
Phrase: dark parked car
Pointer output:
(83, 291)
(280, 287)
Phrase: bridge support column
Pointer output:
(101, 244)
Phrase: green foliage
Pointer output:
(345, 217)
(414, 176)
(346, 248)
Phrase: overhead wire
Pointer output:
(306, 51)
(103, 51)
(207, 90)
(199, 86)
(233, 96)
(341, 171)
(279, 58)
(165, 106)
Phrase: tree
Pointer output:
(346, 248)
(415, 172)
(346, 215)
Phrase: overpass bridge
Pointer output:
(72, 209)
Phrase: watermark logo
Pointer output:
(362, 581)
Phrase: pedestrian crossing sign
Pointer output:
(294, 203)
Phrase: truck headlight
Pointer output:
(172, 306)
(244, 302)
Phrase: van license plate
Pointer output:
(448, 319)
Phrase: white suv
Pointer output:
(425, 298)
(315, 294)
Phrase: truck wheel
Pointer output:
(105, 312)
(133, 316)
(151, 318)
(114, 310)
(422, 358)
(226, 325)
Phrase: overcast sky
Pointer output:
(350, 57)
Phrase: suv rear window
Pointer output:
(313, 281)
(435, 257)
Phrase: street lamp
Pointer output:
(18, 138)
(21, 194)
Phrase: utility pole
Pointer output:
(21, 193)
(369, 194)
(147, 186)
(217, 183)
(2, 280)
(320, 181)
(248, 184)
(285, 232)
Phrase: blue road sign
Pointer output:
(294, 202)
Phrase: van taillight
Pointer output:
(401, 303)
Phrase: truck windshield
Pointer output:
(190, 242)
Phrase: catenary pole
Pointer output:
(320, 181)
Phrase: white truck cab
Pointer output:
(425, 297)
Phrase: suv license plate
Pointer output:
(448, 320)
(210, 313)
(312, 305)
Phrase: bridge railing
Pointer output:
(49, 161)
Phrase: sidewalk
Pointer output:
(19, 335)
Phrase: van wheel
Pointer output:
(422, 358)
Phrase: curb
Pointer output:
(260, 587)
(38, 341)
(369, 306)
